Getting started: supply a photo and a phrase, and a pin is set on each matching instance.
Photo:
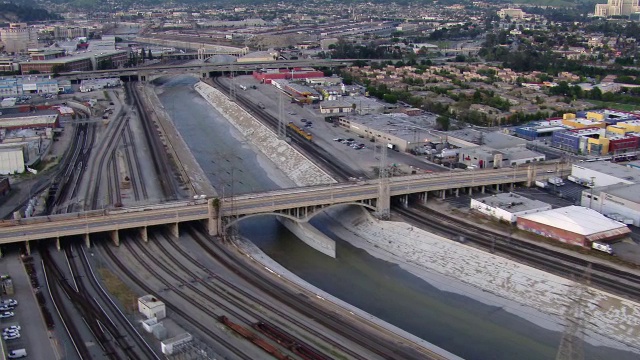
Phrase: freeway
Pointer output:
(56, 226)
(202, 68)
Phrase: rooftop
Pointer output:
(494, 140)
(629, 192)
(513, 203)
(576, 219)
(612, 169)
(410, 128)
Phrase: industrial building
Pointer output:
(265, 76)
(575, 225)
(488, 157)
(30, 122)
(13, 157)
(604, 173)
(398, 131)
(25, 85)
(85, 61)
(618, 200)
(508, 206)
(151, 307)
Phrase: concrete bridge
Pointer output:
(298, 204)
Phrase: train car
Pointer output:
(300, 131)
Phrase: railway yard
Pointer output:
(233, 305)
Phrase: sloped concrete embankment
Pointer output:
(287, 159)
(530, 293)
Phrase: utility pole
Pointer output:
(282, 127)
(571, 344)
(232, 82)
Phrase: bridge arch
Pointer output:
(295, 218)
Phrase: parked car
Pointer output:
(6, 314)
(10, 333)
(5, 307)
(10, 302)
(11, 336)
(13, 327)
(17, 354)
(338, 139)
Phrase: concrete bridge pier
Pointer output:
(144, 235)
(87, 241)
(457, 192)
(482, 189)
(58, 243)
(383, 205)
(115, 237)
(27, 247)
(424, 197)
(443, 194)
(175, 230)
(405, 201)
(470, 190)
(214, 220)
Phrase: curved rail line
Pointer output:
(332, 321)
(545, 259)
(234, 300)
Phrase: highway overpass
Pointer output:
(299, 204)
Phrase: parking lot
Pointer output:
(33, 336)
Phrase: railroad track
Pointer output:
(94, 320)
(197, 323)
(235, 300)
(385, 348)
(106, 152)
(137, 181)
(156, 149)
(122, 322)
(327, 160)
(564, 265)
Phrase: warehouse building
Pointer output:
(30, 122)
(508, 206)
(13, 157)
(604, 173)
(618, 200)
(575, 225)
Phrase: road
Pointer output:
(56, 226)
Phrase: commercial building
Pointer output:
(18, 37)
(619, 200)
(605, 173)
(508, 206)
(536, 132)
(576, 140)
(25, 85)
(575, 225)
(70, 32)
(617, 8)
(97, 84)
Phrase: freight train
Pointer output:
(300, 131)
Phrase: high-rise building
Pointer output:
(617, 8)
(18, 37)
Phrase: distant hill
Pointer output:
(10, 12)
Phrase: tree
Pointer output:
(59, 68)
(443, 122)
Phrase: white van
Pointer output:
(17, 354)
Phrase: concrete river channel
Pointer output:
(456, 323)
